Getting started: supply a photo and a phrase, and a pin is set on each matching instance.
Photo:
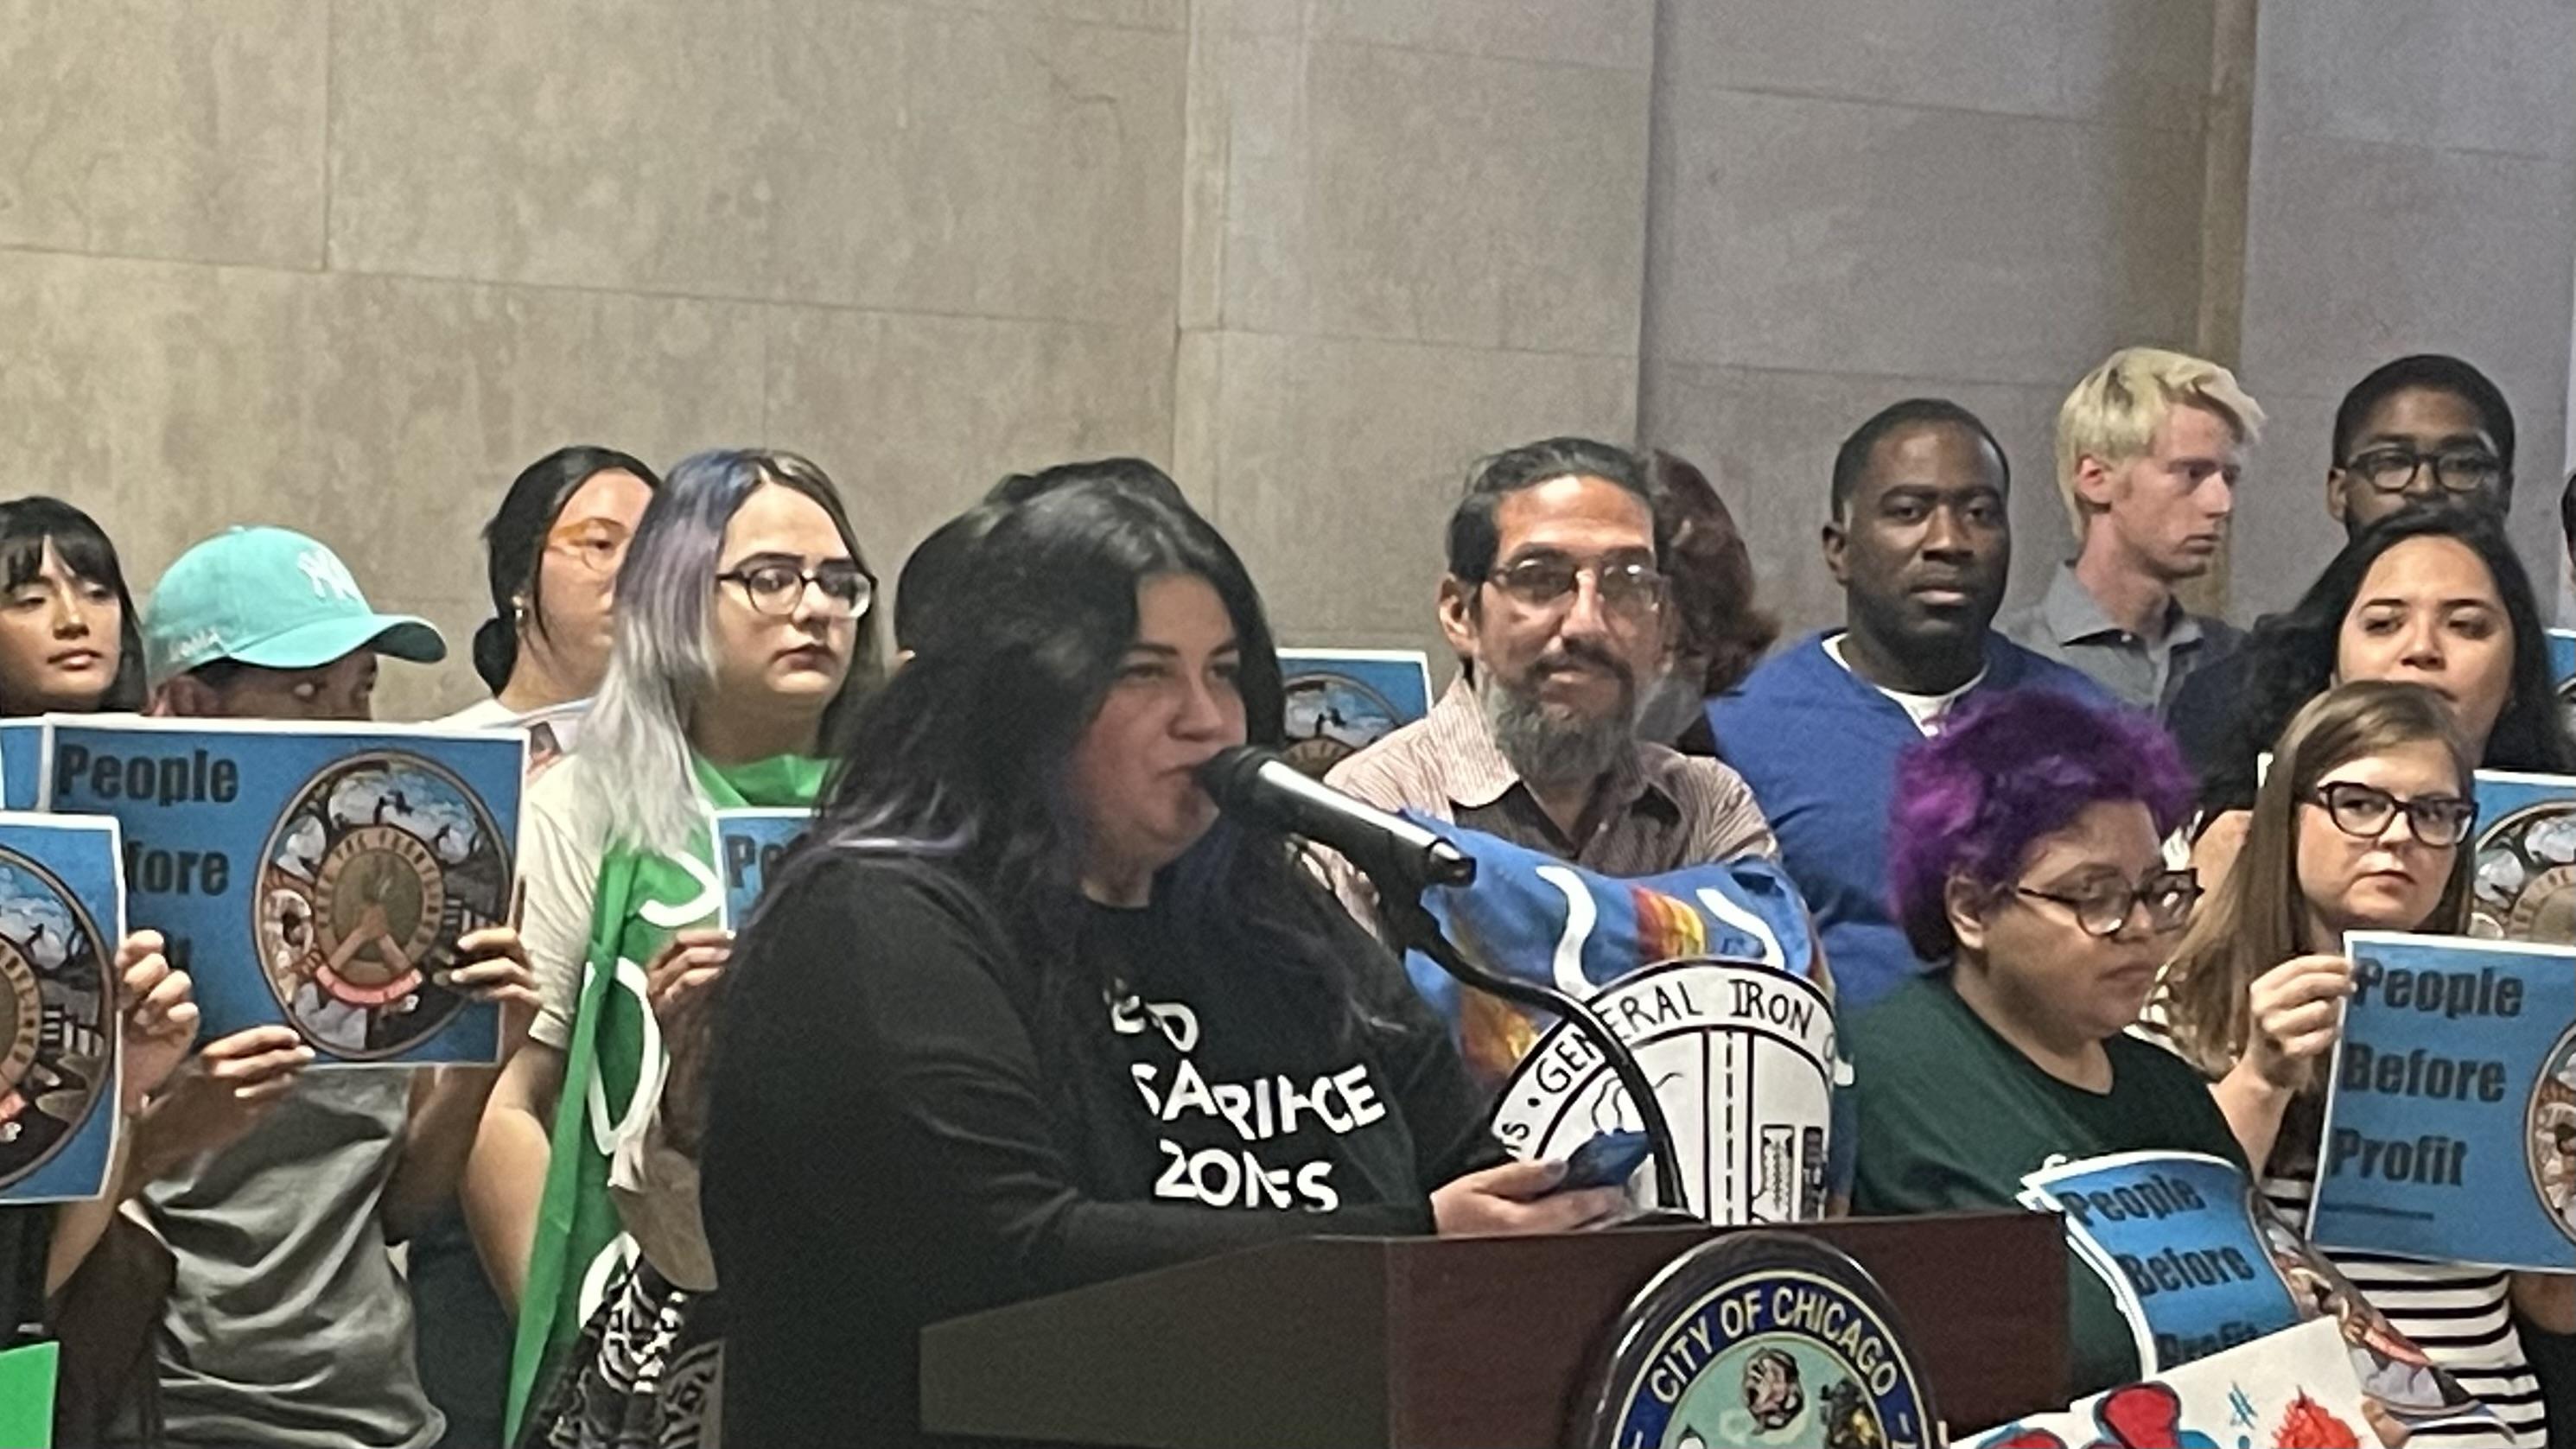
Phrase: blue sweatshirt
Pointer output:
(1818, 744)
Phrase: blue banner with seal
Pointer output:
(62, 914)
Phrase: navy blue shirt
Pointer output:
(1818, 744)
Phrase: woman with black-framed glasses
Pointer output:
(2025, 864)
(2360, 824)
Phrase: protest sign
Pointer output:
(749, 843)
(2524, 858)
(2199, 1264)
(312, 875)
(22, 763)
(2294, 1389)
(1341, 701)
(2450, 1128)
(61, 917)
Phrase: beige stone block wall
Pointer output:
(1858, 202)
(349, 266)
(1414, 233)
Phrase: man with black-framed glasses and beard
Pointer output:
(1554, 603)
(1919, 535)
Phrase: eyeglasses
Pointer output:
(776, 589)
(1547, 581)
(595, 543)
(2363, 811)
(2103, 910)
(2460, 471)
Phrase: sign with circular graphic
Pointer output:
(2549, 1134)
(1742, 1058)
(1756, 1340)
(2526, 875)
(57, 1016)
(374, 869)
(1331, 716)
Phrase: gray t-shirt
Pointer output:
(289, 1326)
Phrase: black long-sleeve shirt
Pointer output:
(887, 1150)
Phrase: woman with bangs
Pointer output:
(70, 642)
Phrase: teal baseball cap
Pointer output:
(274, 598)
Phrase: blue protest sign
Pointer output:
(316, 876)
(62, 914)
(1341, 701)
(2200, 1264)
(749, 842)
(22, 763)
(2450, 1130)
(2524, 858)
(2172, 1234)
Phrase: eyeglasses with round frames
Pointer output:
(595, 543)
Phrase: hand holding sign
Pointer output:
(160, 1018)
(679, 982)
(221, 1094)
(496, 969)
(2295, 1007)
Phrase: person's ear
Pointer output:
(1458, 614)
(1835, 542)
(1966, 903)
(2093, 484)
(2339, 496)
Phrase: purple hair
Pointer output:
(2007, 770)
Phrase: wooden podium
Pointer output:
(1451, 1343)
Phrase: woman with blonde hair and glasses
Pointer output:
(742, 633)
(2360, 824)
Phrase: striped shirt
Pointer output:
(2459, 1315)
(1659, 810)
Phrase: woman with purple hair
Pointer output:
(2026, 865)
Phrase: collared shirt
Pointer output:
(1659, 810)
(2068, 625)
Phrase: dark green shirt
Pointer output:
(1952, 1116)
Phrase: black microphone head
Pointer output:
(1228, 774)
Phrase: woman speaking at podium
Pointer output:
(1028, 1014)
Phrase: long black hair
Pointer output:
(514, 544)
(26, 525)
(960, 763)
(2292, 656)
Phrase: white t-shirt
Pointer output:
(1926, 710)
(563, 837)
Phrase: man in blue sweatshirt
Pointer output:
(1921, 541)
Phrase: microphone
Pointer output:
(1391, 850)
(1400, 859)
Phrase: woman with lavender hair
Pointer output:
(2026, 868)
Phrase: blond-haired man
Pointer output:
(2149, 449)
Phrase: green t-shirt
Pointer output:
(1952, 1116)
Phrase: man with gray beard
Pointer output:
(1555, 603)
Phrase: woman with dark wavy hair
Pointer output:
(1028, 1013)
(2429, 596)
